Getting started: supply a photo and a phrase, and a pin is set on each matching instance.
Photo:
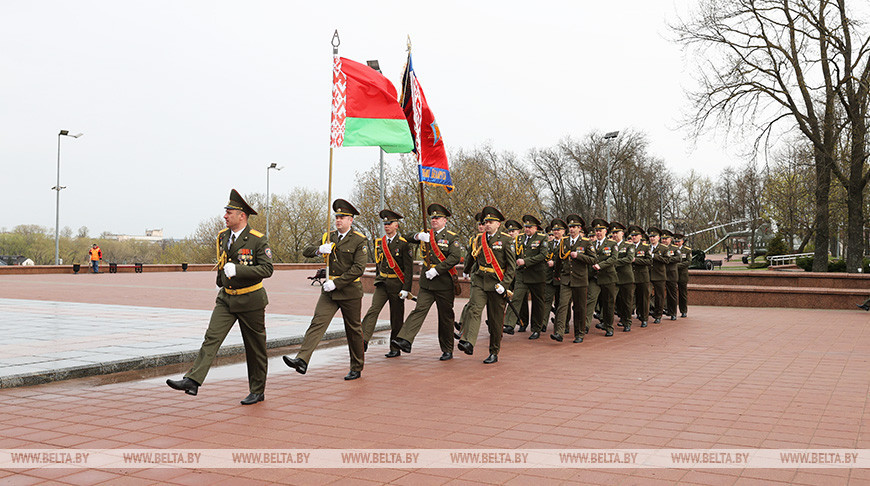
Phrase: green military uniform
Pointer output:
(394, 273)
(683, 274)
(625, 254)
(468, 270)
(438, 290)
(573, 280)
(347, 261)
(532, 275)
(552, 283)
(513, 228)
(640, 267)
(241, 298)
(658, 274)
(496, 265)
(602, 283)
(672, 274)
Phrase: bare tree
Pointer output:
(788, 194)
(765, 63)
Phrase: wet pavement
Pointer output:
(735, 378)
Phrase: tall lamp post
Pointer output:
(57, 189)
(271, 166)
(374, 64)
(608, 136)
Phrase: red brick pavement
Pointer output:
(723, 378)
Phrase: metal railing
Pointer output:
(786, 259)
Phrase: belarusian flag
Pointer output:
(365, 109)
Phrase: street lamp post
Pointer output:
(608, 136)
(57, 189)
(374, 64)
(271, 166)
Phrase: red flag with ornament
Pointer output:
(428, 144)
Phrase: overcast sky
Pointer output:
(180, 101)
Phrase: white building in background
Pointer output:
(150, 235)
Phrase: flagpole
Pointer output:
(416, 132)
(335, 43)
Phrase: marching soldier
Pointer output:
(513, 228)
(625, 254)
(441, 252)
(671, 287)
(244, 260)
(468, 271)
(531, 253)
(602, 281)
(493, 253)
(640, 267)
(395, 272)
(683, 269)
(575, 254)
(552, 283)
(658, 272)
(346, 253)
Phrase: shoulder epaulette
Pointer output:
(221, 231)
(359, 234)
(450, 233)
(402, 238)
(257, 234)
(585, 238)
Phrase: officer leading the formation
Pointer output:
(346, 253)
(393, 277)
(244, 260)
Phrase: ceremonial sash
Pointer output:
(489, 256)
(437, 251)
(385, 248)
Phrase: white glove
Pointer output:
(230, 269)
(328, 286)
(423, 236)
(465, 275)
(499, 288)
(403, 294)
(431, 273)
(325, 249)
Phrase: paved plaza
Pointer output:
(723, 378)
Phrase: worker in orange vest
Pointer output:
(96, 255)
